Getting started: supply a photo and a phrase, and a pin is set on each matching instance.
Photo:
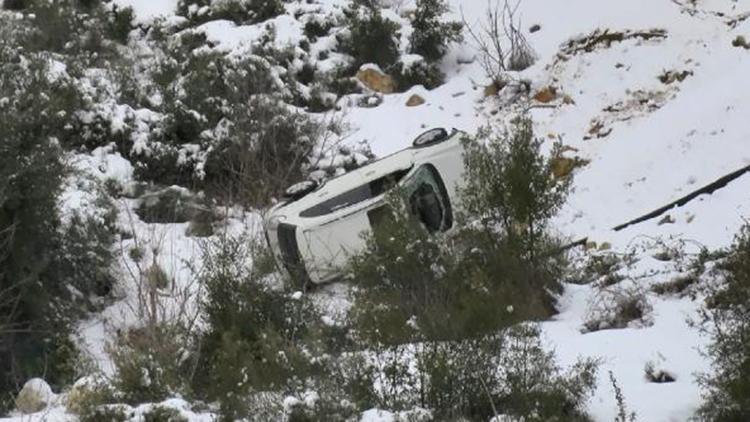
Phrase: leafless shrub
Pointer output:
(153, 356)
(501, 44)
(617, 306)
(622, 411)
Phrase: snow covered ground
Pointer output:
(647, 143)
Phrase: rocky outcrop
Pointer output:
(375, 79)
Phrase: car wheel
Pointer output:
(431, 137)
(298, 190)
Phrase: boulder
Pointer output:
(546, 94)
(375, 79)
(172, 205)
(34, 397)
(414, 100)
(562, 167)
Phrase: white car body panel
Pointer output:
(314, 241)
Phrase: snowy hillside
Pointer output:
(649, 98)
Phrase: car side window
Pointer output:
(354, 196)
(428, 199)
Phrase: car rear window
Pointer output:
(356, 195)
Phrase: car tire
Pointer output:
(430, 137)
(299, 190)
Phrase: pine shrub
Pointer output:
(431, 34)
(42, 291)
(372, 38)
(257, 334)
(418, 72)
(511, 185)
(727, 315)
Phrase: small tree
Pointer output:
(372, 37)
(431, 35)
(511, 185)
(256, 336)
(727, 321)
(41, 291)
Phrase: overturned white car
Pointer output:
(317, 228)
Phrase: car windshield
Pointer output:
(428, 199)
(354, 196)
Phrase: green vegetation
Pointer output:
(727, 316)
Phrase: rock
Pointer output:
(567, 99)
(172, 205)
(546, 94)
(414, 100)
(562, 167)
(740, 41)
(375, 79)
(667, 219)
(34, 397)
(370, 101)
(605, 246)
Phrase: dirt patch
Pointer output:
(604, 39)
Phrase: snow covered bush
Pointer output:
(258, 333)
(432, 34)
(372, 37)
(51, 272)
(150, 364)
(264, 147)
(416, 71)
(238, 11)
(81, 30)
(617, 306)
(727, 322)
(443, 298)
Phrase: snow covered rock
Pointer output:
(35, 396)
(414, 100)
(170, 205)
(375, 79)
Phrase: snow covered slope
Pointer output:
(647, 136)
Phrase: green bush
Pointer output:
(442, 299)
(372, 38)
(163, 414)
(121, 23)
(239, 11)
(417, 73)
(431, 34)
(37, 301)
(727, 316)
(265, 147)
(257, 335)
(511, 185)
(113, 413)
(82, 30)
(15, 4)
(149, 364)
